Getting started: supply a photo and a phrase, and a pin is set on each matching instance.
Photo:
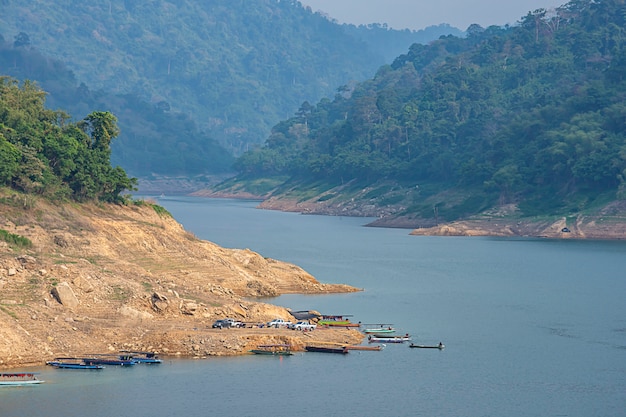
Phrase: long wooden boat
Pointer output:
(22, 378)
(440, 346)
(143, 357)
(120, 360)
(387, 330)
(361, 347)
(388, 339)
(327, 349)
(337, 321)
(73, 363)
(273, 350)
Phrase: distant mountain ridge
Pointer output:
(235, 67)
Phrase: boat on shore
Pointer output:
(142, 357)
(327, 349)
(440, 346)
(305, 315)
(73, 363)
(388, 339)
(273, 350)
(337, 321)
(22, 378)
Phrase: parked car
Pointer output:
(303, 325)
(226, 323)
(279, 323)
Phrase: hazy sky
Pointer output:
(418, 14)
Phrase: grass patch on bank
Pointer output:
(15, 240)
(9, 312)
(160, 210)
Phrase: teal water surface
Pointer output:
(532, 327)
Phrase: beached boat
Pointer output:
(142, 357)
(339, 321)
(275, 350)
(304, 315)
(327, 349)
(388, 339)
(73, 363)
(116, 360)
(23, 378)
(439, 346)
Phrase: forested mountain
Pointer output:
(153, 139)
(42, 153)
(533, 114)
(235, 67)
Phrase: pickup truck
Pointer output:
(303, 325)
(279, 323)
(226, 323)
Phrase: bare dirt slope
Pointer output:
(100, 278)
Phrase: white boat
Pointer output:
(24, 378)
(388, 339)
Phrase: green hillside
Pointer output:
(532, 115)
(152, 139)
(235, 67)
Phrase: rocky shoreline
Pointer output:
(104, 278)
(609, 223)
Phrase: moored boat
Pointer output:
(388, 339)
(327, 349)
(361, 347)
(274, 350)
(22, 378)
(117, 360)
(142, 357)
(440, 346)
(386, 330)
(73, 363)
(338, 321)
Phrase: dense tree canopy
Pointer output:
(193, 82)
(235, 67)
(42, 153)
(152, 138)
(531, 112)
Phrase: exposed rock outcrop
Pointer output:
(127, 277)
(65, 295)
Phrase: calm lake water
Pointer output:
(532, 327)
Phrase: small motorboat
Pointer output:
(361, 347)
(388, 339)
(22, 378)
(382, 330)
(274, 350)
(440, 346)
